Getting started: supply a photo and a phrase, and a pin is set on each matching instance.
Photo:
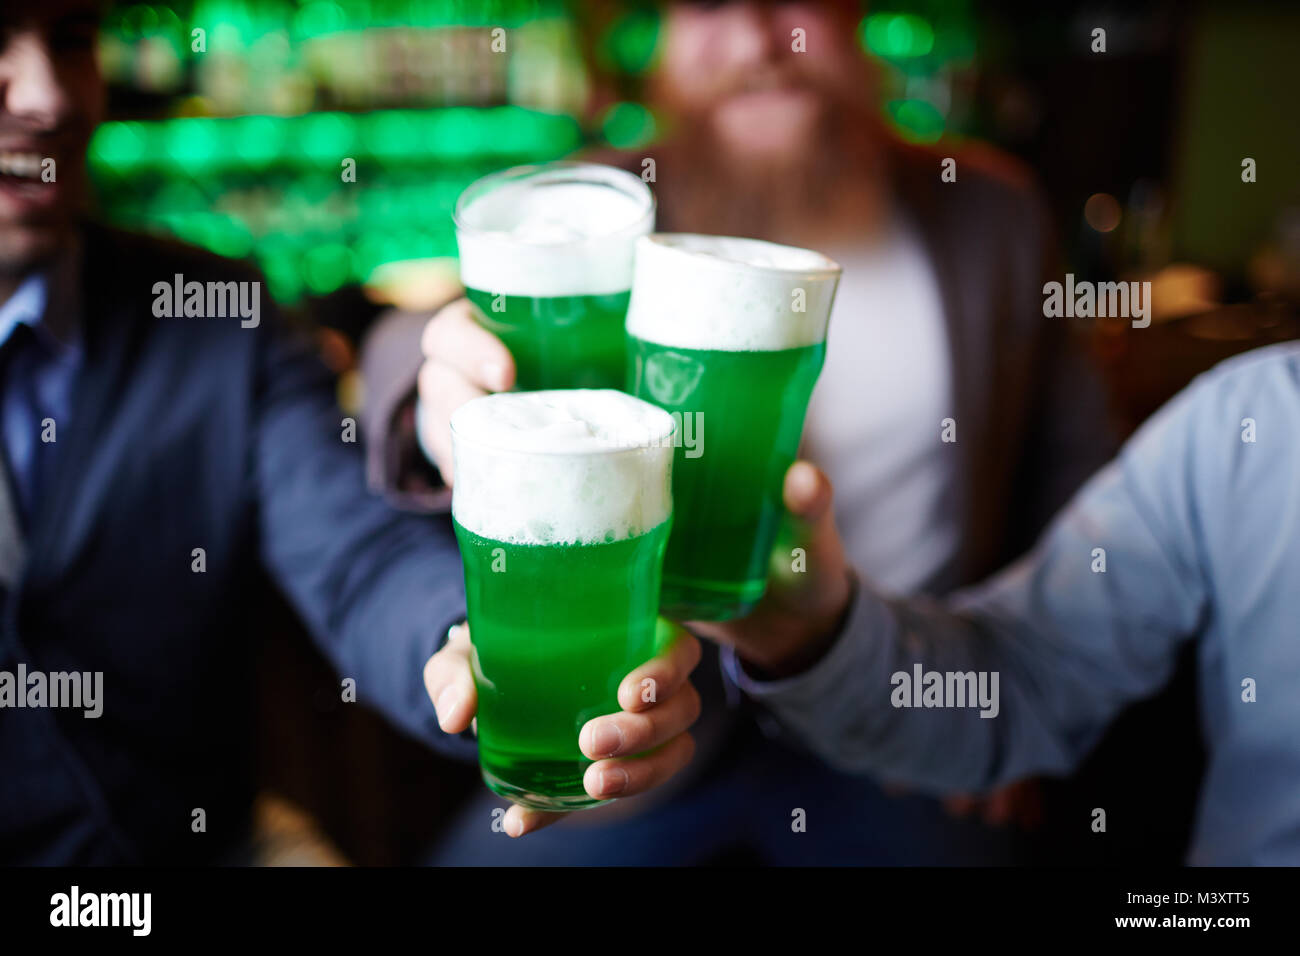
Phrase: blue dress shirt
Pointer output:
(35, 385)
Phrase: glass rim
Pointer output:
(828, 269)
(666, 440)
(601, 175)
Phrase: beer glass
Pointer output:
(562, 505)
(728, 335)
(546, 258)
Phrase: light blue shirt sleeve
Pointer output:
(1198, 525)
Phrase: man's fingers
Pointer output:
(520, 820)
(998, 807)
(808, 496)
(623, 735)
(960, 805)
(660, 677)
(464, 362)
(807, 491)
(625, 776)
(1019, 803)
(454, 338)
(450, 682)
(443, 389)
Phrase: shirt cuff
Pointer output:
(819, 703)
(401, 468)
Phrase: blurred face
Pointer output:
(732, 71)
(51, 99)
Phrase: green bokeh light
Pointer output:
(319, 17)
(628, 125)
(257, 139)
(452, 134)
(392, 133)
(118, 147)
(897, 35)
(917, 120)
(324, 136)
(193, 145)
(327, 266)
(630, 44)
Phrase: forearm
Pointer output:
(389, 620)
(1057, 643)
(863, 707)
(377, 588)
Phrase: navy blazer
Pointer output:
(192, 433)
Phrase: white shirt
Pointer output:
(874, 422)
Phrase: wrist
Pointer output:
(815, 642)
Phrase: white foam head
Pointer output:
(556, 229)
(574, 466)
(731, 295)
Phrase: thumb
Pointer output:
(807, 492)
(809, 496)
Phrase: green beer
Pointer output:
(728, 500)
(575, 341)
(562, 505)
(546, 259)
(553, 637)
(728, 335)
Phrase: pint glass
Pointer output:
(729, 336)
(561, 505)
(546, 258)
